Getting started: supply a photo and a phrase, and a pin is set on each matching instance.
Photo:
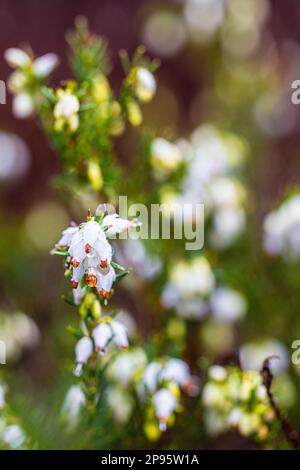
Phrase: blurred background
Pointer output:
(230, 63)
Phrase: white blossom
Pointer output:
(90, 253)
(107, 331)
(282, 230)
(17, 57)
(13, 436)
(171, 370)
(66, 111)
(217, 373)
(189, 284)
(145, 85)
(45, 64)
(83, 351)
(74, 401)
(22, 105)
(20, 82)
(164, 404)
(227, 305)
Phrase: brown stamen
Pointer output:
(74, 284)
(104, 263)
(105, 294)
(75, 263)
(88, 248)
(91, 280)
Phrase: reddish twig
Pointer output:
(290, 433)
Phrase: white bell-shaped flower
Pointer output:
(113, 224)
(73, 403)
(67, 235)
(83, 351)
(102, 335)
(164, 404)
(227, 305)
(151, 375)
(119, 332)
(105, 282)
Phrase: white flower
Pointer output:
(73, 403)
(227, 304)
(67, 235)
(44, 65)
(282, 229)
(78, 294)
(165, 156)
(13, 436)
(217, 373)
(151, 375)
(105, 332)
(23, 105)
(83, 351)
(164, 404)
(112, 224)
(20, 82)
(119, 334)
(189, 283)
(212, 395)
(252, 355)
(66, 111)
(17, 57)
(228, 223)
(145, 85)
(102, 334)
(178, 371)
(172, 370)
(90, 253)
(193, 278)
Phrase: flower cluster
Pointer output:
(213, 160)
(157, 385)
(192, 293)
(107, 330)
(25, 82)
(163, 380)
(89, 254)
(282, 229)
(235, 399)
(66, 110)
